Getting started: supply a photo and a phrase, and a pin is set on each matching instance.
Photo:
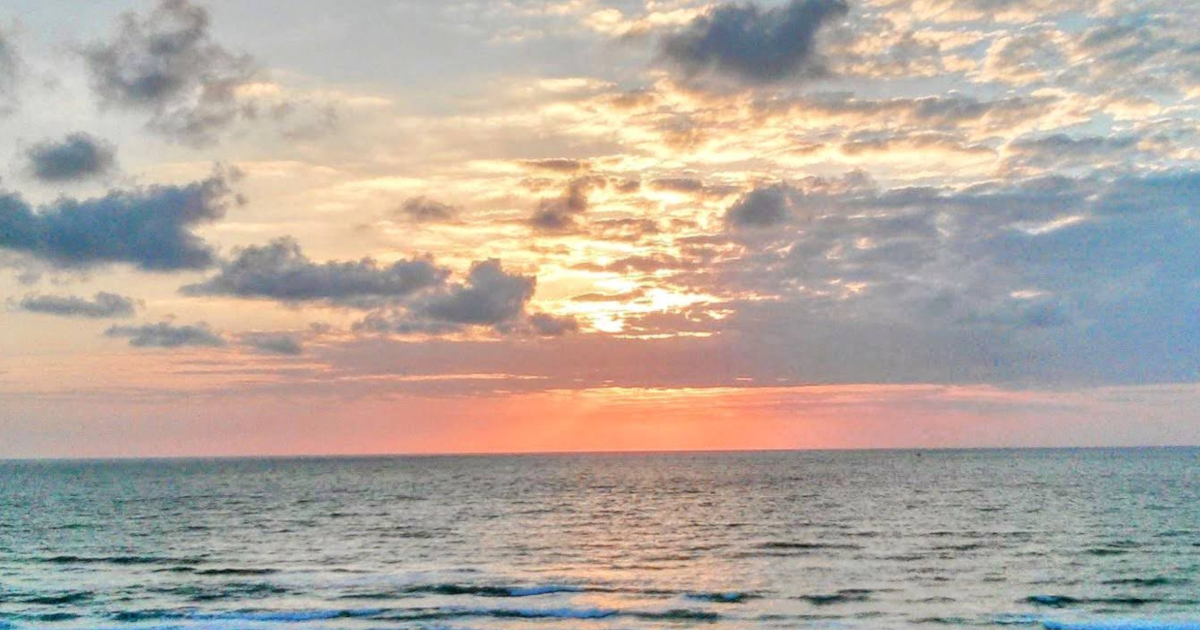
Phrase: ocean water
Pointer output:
(1083, 539)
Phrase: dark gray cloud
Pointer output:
(760, 208)
(425, 210)
(490, 297)
(149, 228)
(102, 305)
(776, 204)
(281, 271)
(167, 335)
(753, 45)
(76, 157)
(561, 214)
(166, 64)
(274, 343)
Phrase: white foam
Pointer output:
(1122, 624)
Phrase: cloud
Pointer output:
(274, 343)
(281, 271)
(76, 157)
(752, 45)
(1138, 54)
(101, 305)
(559, 165)
(626, 296)
(166, 335)
(425, 210)
(947, 111)
(1025, 57)
(560, 214)
(678, 184)
(1049, 279)
(990, 10)
(166, 64)
(490, 297)
(10, 74)
(776, 204)
(150, 228)
(1062, 151)
(546, 325)
(650, 264)
(760, 208)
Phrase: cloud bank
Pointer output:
(281, 271)
(102, 305)
(149, 228)
(167, 335)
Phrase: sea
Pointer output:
(1059, 539)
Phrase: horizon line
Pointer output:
(483, 454)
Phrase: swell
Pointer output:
(1065, 601)
(476, 590)
(409, 614)
(843, 596)
(117, 560)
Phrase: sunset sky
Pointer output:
(290, 226)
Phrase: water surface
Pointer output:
(899, 539)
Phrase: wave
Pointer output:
(56, 599)
(806, 546)
(549, 613)
(407, 614)
(1017, 620)
(205, 593)
(1121, 624)
(53, 617)
(118, 560)
(237, 571)
(1106, 551)
(1057, 601)
(1146, 582)
(476, 590)
(674, 614)
(1063, 601)
(843, 596)
(678, 614)
(957, 622)
(732, 597)
(974, 546)
(286, 615)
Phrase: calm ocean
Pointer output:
(1053, 539)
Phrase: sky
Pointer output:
(284, 227)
